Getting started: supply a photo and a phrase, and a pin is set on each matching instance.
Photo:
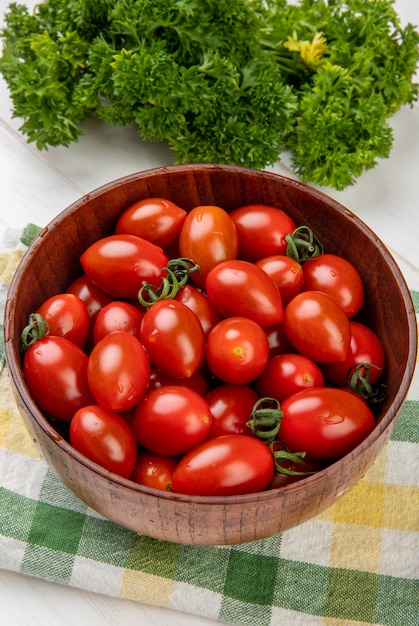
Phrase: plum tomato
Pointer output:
(201, 305)
(237, 350)
(154, 470)
(117, 315)
(286, 272)
(225, 466)
(155, 219)
(317, 327)
(261, 230)
(231, 407)
(324, 422)
(299, 468)
(105, 438)
(171, 420)
(93, 297)
(277, 339)
(197, 381)
(67, 316)
(286, 374)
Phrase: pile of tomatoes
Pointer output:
(208, 352)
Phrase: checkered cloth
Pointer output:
(356, 563)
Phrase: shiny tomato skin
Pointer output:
(208, 236)
(237, 350)
(365, 347)
(324, 422)
(240, 288)
(67, 316)
(277, 339)
(307, 466)
(336, 276)
(197, 381)
(154, 470)
(118, 371)
(55, 371)
(105, 438)
(173, 338)
(118, 315)
(119, 264)
(261, 230)
(93, 297)
(201, 305)
(155, 219)
(286, 272)
(317, 327)
(171, 420)
(286, 374)
(231, 407)
(225, 466)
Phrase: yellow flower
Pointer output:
(311, 52)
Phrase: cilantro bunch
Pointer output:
(227, 81)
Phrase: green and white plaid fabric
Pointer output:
(357, 563)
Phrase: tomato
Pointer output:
(154, 470)
(67, 316)
(197, 381)
(55, 371)
(119, 264)
(225, 466)
(155, 219)
(171, 420)
(261, 230)
(324, 422)
(317, 327)
(365, 347)
(201, 305)
(277, 339)
(118, 315)
(286, 272)
(93, 297)
(336, 276)
(240, 288)
(237, 350)
(105, 438)
(118, 371)
(231, 407)
(286, 374)
(173, 338)
(208, 236)
(304, 467)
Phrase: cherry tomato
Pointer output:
(154, 470)
(225, 466)
(93, 297)
(240, 288)
(317, 327)
(105, 438)
(173, 338)
(119, 264)
(118, 371)
(261, 230)
(197, 381)
(118, 315)
(171, 420)
(155, 219)
(286, 374)
(237, 350)
(201, 305)
(231, 407)
(286, 272)
(277, 339)
(365, 347)
(306, 467)
(55, 371)
(208, 236)
(67, 316)
(324, 422)
(336, 276)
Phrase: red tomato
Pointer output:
(317, 327)
(93, 297)
(225, 466)
(261, 230)
(118, 315)
(304, 467)
(173, 337)
(154, 470)
(324, 422)
(118, 371)
(119, 264)
(208, 236)
(55, 371)
(240, 288)
(286, 374)
(171, 420)
(105, 438)
(231, 407)
(338, 278)
(67, 316)
(237, 350)
(277, 339)
(155, 219)
(197, 381)
(201, 305)
(286, 272)
(365, 347)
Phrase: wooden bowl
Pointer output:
(51, 264)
